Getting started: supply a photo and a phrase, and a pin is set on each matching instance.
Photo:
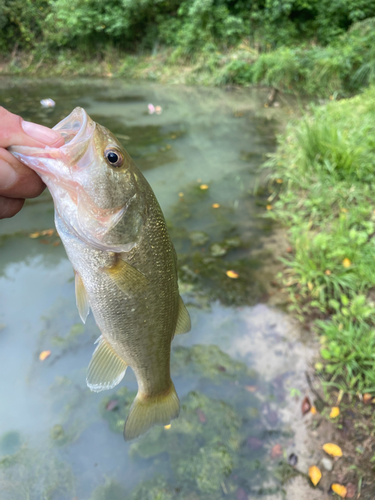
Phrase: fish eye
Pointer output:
(114, 158)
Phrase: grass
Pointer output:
(341, 68)
(322, 185)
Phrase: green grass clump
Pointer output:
(323, 189)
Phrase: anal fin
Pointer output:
(106, 368)
(183, 318)
(82, 299)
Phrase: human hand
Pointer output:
(17, 181)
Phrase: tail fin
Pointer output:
(146, 412)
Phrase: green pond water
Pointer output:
(238, 369)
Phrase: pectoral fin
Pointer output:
(183, 319)
(82, 299)
(126, 277)
(106, 368)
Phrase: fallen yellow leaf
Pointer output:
(339, 489)
(367, 398)
(34, 235)
(314, 474)
(180, 195)
(167, 426)
(346, 262)
(215, 205)
(203, 186)
(335, 412)
(232, 274)
(44, 355)
(269, 207)
(313, 410)
(332, 449)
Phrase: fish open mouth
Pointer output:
(76, 130)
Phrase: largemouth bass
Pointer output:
(124, 262)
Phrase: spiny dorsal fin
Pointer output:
(106, 368)
(126, 276)
(147, 411)
(82, 299)
(183, 318)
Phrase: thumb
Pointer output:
(15, 131)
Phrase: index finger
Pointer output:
(16, 131)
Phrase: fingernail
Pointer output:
(8, 175)
(40, 133)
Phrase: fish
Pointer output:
(124, 263)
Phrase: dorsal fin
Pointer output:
(106, 368)
(183, 318)
(82, 299)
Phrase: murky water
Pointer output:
(235, 372)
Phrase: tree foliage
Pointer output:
(186, 25)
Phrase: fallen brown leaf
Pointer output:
(350, 490)
(276, 451)
(306, 405)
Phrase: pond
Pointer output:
(239, 369)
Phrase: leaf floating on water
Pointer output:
(250, 388)
(112, 405)
(203, 187)
(314, 474)
(335, 412)
(167, 426)
(47, 232)
(44, 355)
(339, 489)
(202, 417)
(332, 449)
(232, 274)
(57, 243)
(346, 262)
(181, 194)
(241, 494)
(276, 451)
(367, 398)
(215, 205)
(34, 235)
(306, 405)
(292, 459)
